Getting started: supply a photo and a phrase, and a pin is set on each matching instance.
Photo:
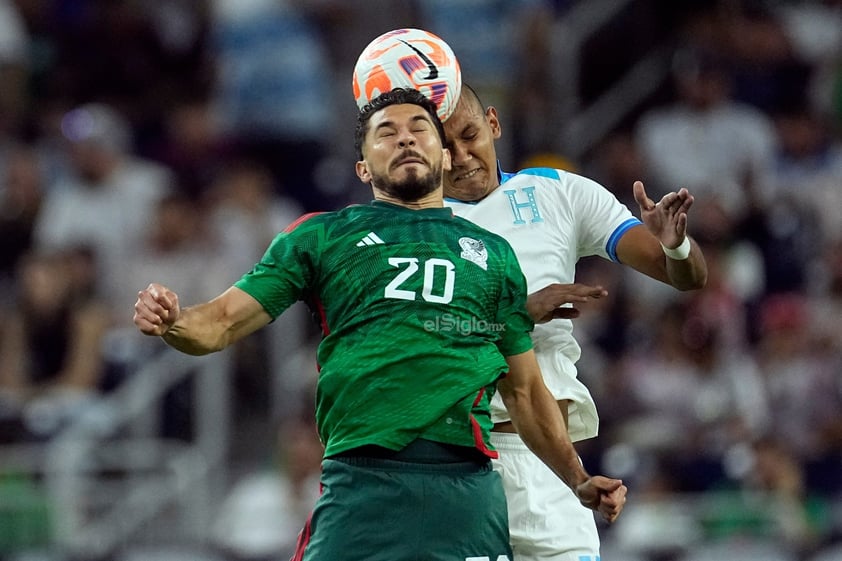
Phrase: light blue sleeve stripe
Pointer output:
(549, 173)
(611, 246)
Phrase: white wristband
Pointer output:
(679, 253)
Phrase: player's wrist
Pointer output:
(585, 493)
(679, 253)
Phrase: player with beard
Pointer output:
(404, 389)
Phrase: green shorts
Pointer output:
(374, 509)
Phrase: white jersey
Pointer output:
(553, 218)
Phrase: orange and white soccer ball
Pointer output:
(409, 58)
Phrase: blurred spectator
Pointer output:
(697, 395)
(272, 78)
(192, 146)
(807, 171)
(500, 45)
(107, 203)
(261, 517)
(14, 68)
(766, 70)
(120, 52)
(618, 162)
(246, 213)
(346, 28)
(795, 212)
(826, 298)
(177, 246)
(776, 473)
(814, 29)
(705, 141)
(800, 378)
(51, 360)
(21, 196)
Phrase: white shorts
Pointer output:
(546, 520)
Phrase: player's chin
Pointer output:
(467, 189)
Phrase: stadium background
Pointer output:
(169, 140)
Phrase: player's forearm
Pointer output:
(690, 273)
(538, 420)
(216, 324)
(199, 330)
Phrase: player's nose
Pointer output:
(406, 137)
(458, 153)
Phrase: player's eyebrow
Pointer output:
(414, 119)
(422, 117)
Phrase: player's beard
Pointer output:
(413, 187)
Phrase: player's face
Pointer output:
(403, 154)
(471, 132)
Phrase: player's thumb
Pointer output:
(640, 196)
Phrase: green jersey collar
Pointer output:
(444, 212)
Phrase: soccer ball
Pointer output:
(409, 58)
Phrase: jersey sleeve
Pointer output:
(286, 272)
(603, 219)
(511, 311)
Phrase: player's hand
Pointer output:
(667, 220)
(605, 495)
(156, 309)
(545, 305)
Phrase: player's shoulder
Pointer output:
(305, 220)
(548, 180)
(533, 173)
(321, 218)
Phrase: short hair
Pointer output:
(397, 96)
(471, 94)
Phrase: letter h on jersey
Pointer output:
(530, 203)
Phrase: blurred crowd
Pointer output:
(171, 140)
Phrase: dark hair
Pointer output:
(472, 94)
(395, 97)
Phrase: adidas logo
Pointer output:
(370, 239)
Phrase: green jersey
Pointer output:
(418, 309)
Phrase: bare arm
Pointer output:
(665, 223)
(200, 329)
(539, 422)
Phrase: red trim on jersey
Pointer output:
(305, 533)
(478, 441)
(320, 309)
(303, 540)
(304, 217)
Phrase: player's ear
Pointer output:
(446, 161)
(362, 171)
(493, 122)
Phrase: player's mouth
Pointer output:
(468, 175)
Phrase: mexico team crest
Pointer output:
(474, 251)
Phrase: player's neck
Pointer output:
(430, 200)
